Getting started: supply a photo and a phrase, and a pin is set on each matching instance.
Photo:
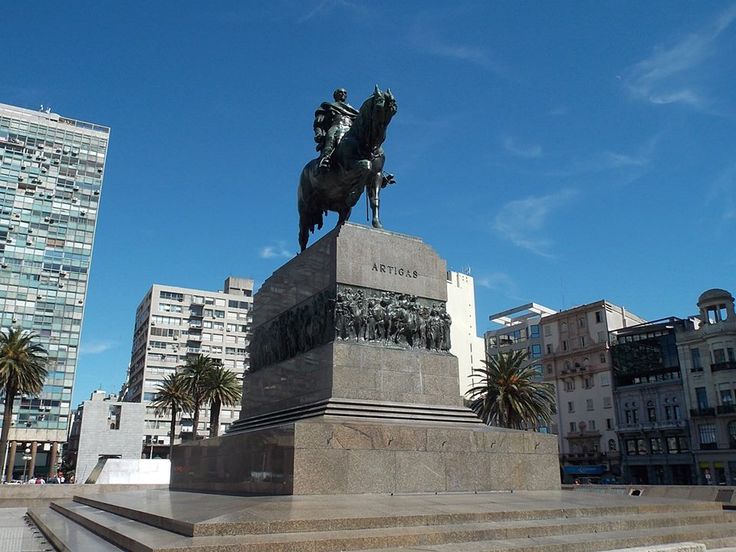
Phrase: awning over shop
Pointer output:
(584, 470)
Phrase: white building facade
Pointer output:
(465, 343)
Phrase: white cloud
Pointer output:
(722, 193)
(498, 281)
(96, 347)
(424, 37)
(522, 221)
(277, 250)
(665, 76)
(528, 151)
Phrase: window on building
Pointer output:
(589, 404)
(731, 354)
(536, 350)
(702, 397)
(549, 368)
(547, 330)
(598, 317)
(534, 330)
(676, 412)
(651, 412)
(564, 345)
(603, 358)
(569, 385)
(655, 445)
(609, 423)
(581, 322)
(570, 406)
(573, 427)
(707, 435)
(605, 380)
(732, 434)
(726, 397)
(588, 382)
(607, 402)
(612, 445)
(549, 348)
(582, 341)
(695, 355)
(719, 355)
(591, 425)
(667, 412)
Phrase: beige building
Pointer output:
(173, 323)
(708, 359)
(576, 359)
(466, 345)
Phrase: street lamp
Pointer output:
(26, 458)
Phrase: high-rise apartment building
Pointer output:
(464, 340)
(51, 171)
(577, 360)
(172, 323)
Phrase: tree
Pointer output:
(196, 371)
(507, 395)
(173, 396)
(221, 388)
(22, 371)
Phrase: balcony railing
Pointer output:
(719, 366)
(702, 412)
(726, 409)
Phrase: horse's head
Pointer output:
(375, 115)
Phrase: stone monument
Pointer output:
(352, 388)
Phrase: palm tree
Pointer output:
(195, 372)
(221, 388)
(507, 395)
(172, 396)
(22, 370)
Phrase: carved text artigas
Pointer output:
(397, 270)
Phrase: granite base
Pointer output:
(338, 456)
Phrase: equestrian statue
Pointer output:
(351, 160)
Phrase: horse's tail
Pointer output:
(309, 215)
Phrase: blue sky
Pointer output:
(564, 152)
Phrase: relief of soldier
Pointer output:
(395, 319)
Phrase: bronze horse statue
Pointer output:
(357, 165)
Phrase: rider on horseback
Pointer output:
(331, 121)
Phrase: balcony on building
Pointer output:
(702, 412)
(720, 366)
(726, 409)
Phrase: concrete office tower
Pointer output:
(172, 323)
(104, 427)
(577, 360)
(51, 171)
(466, 345)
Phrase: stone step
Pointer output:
(138, 537)
(66, 536)
(596, 542)
(183, 513)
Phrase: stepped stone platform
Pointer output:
(525, 521)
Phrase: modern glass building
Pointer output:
(51, 172)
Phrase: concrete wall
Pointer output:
(97, 438)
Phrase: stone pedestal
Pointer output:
(352, 388)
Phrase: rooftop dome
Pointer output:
(715, 295)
